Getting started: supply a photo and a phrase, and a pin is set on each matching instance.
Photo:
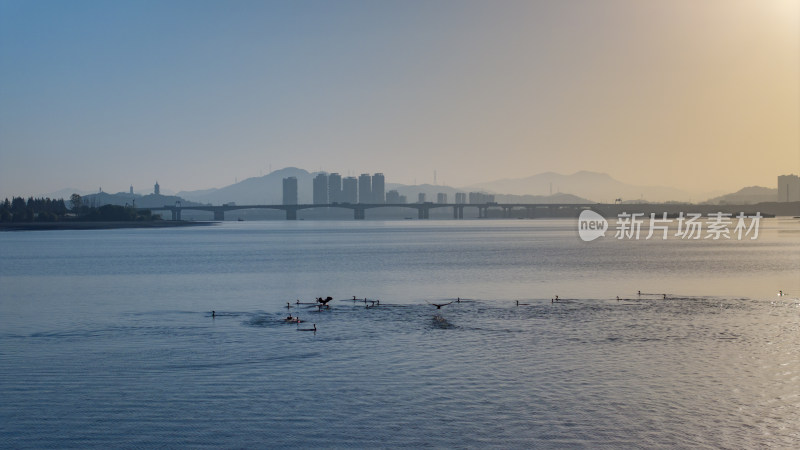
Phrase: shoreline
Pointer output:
(47, 226)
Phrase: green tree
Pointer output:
(18, 205)
(77, 202)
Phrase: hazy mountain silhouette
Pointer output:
(748, 195)
(126, 199)
(65, 193)
(268, 189)
(598, 187)
(580, 187)
(431, 191)
(264, 190)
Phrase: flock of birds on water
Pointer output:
(323, 303)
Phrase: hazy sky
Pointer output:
(700, 95)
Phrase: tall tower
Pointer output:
(321, 189)
(349, 190)
(131, 189)
(334, 188)
(378, 188)
(290, 191)
(364, 188)
(788, 188)
(157, 189)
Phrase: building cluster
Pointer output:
(394, 198)
(789, 188)
(480, 198)
(369, 189)
(332, 188)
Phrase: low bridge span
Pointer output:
(532, 210)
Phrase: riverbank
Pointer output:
(40, 226)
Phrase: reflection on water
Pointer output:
(108, 338)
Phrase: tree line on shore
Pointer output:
(51, 210)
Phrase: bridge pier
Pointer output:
(291, 214)
(359, 213)
(176, 214)
(529, 212)
(219, 214)
(507, 212)
(424, 213)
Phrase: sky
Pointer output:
(698, 95)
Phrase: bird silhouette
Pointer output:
(325, 300)
(439, 305)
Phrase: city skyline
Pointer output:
(701, 97)
(590, 186)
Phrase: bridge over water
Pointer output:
(532, 210)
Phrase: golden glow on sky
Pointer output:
(699, 95)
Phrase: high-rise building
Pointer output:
(378, 188)
(131, 189)
(441, 198)
(477, 198)
(393, 197)
(349, 190)
(290, 191)
(788, 188)
(461, 198)
(320, 189)
(334, 188)
(364, 188)
(421, 197)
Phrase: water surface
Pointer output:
(108, 340)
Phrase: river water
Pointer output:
(107, 337)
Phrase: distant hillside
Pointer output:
(124, 198)
(268, 189)
(598, 187)
(580, 187)
(265, 190)
(431, 191)
(555, 198)
(65, 193)
(745, 196)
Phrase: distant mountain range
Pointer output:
(264, 190)
(548, 187)
(127, 199)
(599, 187)
(745, 196)
(268, 189)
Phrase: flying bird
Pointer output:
(439, 305)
